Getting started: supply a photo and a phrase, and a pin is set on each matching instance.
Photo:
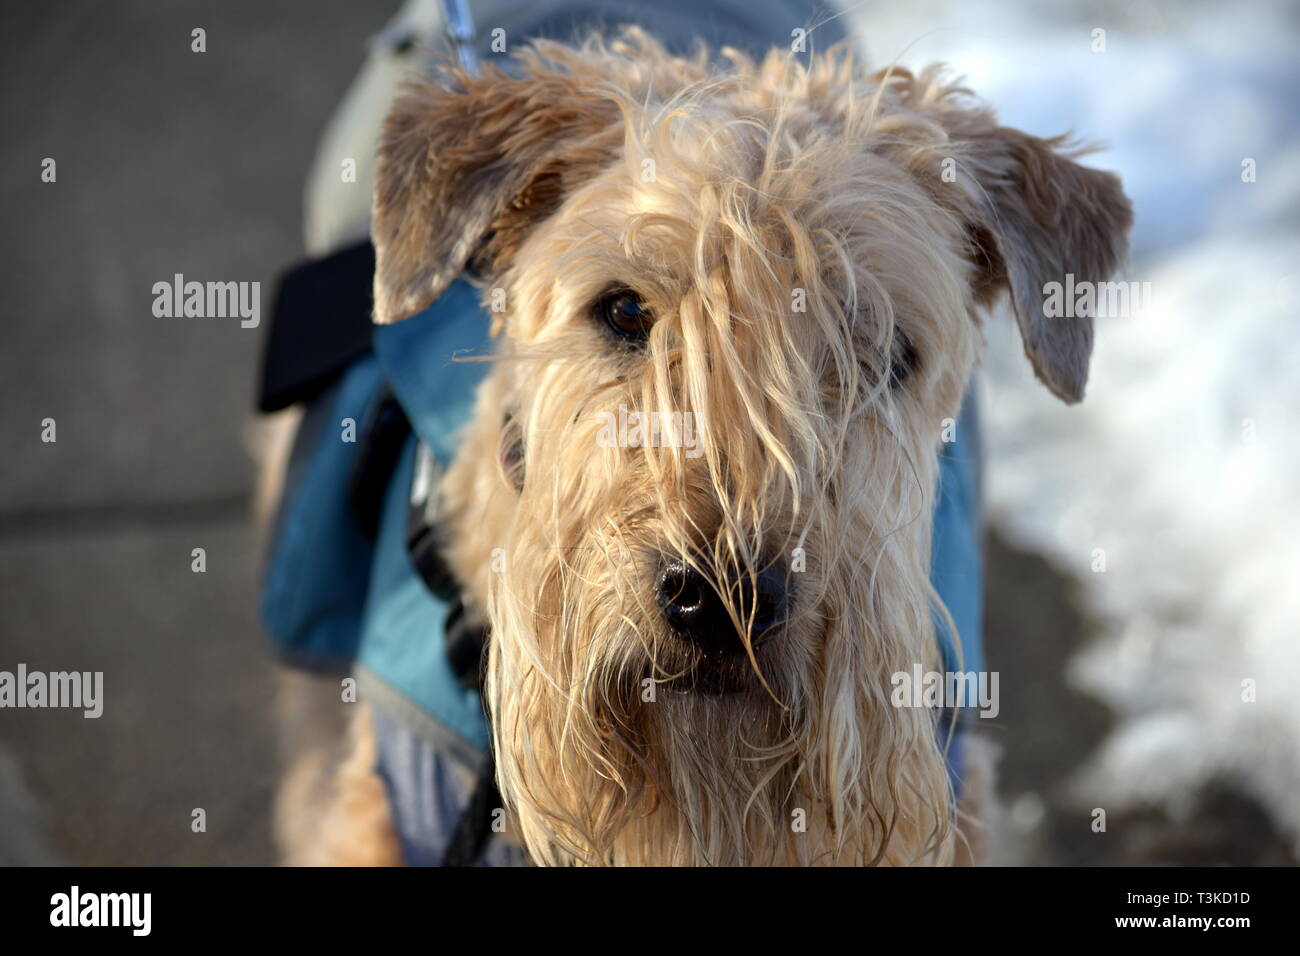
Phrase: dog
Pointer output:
(782, 269)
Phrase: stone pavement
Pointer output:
(168, 161)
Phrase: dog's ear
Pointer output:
(1037, 216)
(465, 171)
(1033, 215)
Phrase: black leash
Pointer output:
(383, 438)
(474, 828)
(466, 653)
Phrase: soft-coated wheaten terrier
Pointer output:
(733, 307)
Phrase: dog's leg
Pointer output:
(332, 809)
(269, 441)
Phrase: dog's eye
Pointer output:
(623, 311)
(904, 362)
(512, 452)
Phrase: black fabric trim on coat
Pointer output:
(320, 324)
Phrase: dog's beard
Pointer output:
(616, 744)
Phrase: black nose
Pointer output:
(695, 610)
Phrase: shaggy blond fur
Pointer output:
(793, 232)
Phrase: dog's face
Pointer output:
(736, 313)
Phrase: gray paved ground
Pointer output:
(167, 161)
